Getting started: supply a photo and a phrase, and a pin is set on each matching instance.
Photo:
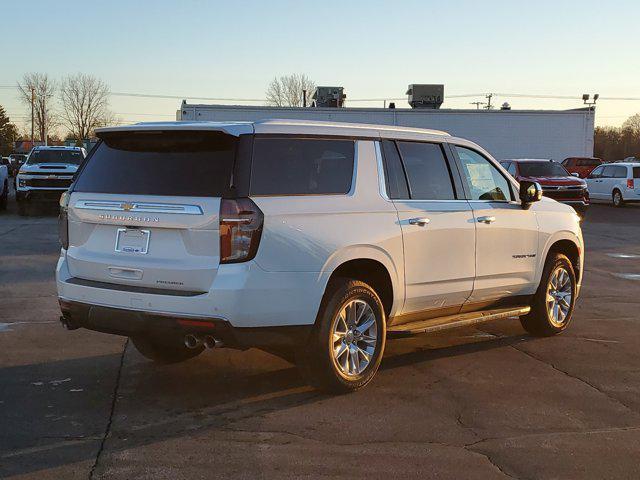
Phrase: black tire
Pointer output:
(317, 361)
(164, 352)
(616, 199)
(540, 321)
(4, 198)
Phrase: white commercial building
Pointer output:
(553, 134)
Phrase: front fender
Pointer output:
(548, 241)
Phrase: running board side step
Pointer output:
(454, 321)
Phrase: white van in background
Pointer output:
(618, 183)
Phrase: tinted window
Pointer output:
(181, 163)
(427, 171)
(636, 172)
(296, 166)
(394, 172)
(620, 172)
(485, 180)
(55, 156)
(542, 169)
(612, 171)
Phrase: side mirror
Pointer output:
(574, 174)
(529, 192)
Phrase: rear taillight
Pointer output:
(630, 184)
(240, 229)
(63, 221)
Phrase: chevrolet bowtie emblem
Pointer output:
(127, 206)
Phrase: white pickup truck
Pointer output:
(46, 174)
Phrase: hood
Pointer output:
(52, 168)
(556, 181)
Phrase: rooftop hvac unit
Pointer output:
(425, 96)
(328, 97)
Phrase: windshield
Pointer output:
(55, 156)
(542, 169)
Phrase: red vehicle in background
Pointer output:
(581, 165)
(556, 181)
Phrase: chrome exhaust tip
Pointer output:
(191, 341)
(211, 342)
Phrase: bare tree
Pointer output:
(632, 123)
(85, 104)
(41, 89)
(286, 90)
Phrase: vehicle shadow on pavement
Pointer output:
(51, 422)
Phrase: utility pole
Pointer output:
(488, 97)
(32, 118)
(304, 98)
(477, 104)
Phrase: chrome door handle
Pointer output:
(421, 222)
(486, 219)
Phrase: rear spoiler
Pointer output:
(230, 128)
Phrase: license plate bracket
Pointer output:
(132, 240)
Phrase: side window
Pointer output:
(393, 172)
(512, 169)
(620, 172)
(485, 180)
(608, 171)
(301, 166)
(427, 171)
(596, 172)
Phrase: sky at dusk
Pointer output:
(372, 48)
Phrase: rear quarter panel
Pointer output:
(310, 233)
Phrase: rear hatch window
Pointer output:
(171, 163)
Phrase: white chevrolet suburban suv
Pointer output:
(313, 241)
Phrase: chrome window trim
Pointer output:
(138, 207)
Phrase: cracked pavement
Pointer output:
(476, 403)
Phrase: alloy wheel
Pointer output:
(559, 296)
(355, 338)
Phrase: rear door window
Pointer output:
(620, 172)
(301, 166)
(427, 171)
(636, 172)
(175, 163)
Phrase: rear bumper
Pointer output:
(131, 323)
(242, 294)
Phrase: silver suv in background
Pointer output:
(46, 174)
(315, 241)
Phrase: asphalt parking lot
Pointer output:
(487, 402)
